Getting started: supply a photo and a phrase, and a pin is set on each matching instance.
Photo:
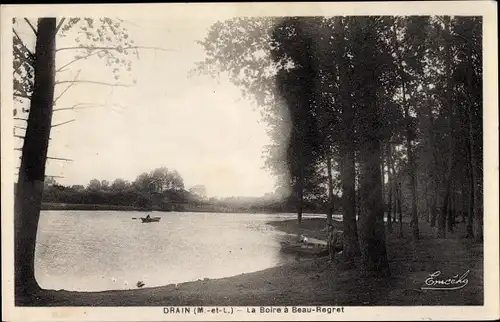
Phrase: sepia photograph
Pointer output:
(245, 164)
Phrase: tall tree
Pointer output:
(35, 84)
(448, 65)
(298, 88)
(94, 185)
(348, 139)
(369, 60)
(32, 170)
(390, 189)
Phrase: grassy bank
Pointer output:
(67, 206)
(316, 282)
(181, 208)
(178, 208)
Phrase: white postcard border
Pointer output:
(487, 9)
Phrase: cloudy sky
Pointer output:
(199, 126)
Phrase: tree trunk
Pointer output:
(349, 175)
(351, 242)
(299, 182)
(413, 186)
(427, 205)
(470, 212)
(476, 171)
(444, 208)
(478, 231)
(449, 116)
(409, 148)
(382, 177)
(389, 189)
(28, 198)
(300, 200)
(394, 218)
(454, 209)
(433, 171)
(411, 161)
(478, 202)
(463, 206)
(397, 196)
(372, 228)
(434, 204)
(329, 214)
(450, 212)
(477, 213)
(400, 211)
(470, 215)
(357, 197)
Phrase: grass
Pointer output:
(90, 207)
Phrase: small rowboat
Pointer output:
(151, 219)
(307, 246)
(304, 249)
(313, 241)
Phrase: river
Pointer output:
(109, 250)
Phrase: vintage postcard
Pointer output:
(250, 161)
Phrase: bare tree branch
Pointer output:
(113, 48)
(22, 95)
(59, 25)
(31, 26)
(16, 69)
(69, 86)
(22, 44)
(18, 52)
(51, 158)
(79, 106)
(94, 82)
(61, 69)
(129, 22)
(82, 106)
(59, 124)
(61, 159)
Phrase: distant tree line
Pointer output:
(163, 189)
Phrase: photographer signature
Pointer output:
(435, 282)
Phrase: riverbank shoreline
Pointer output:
(314, 281)
(49, 206)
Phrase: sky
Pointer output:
(199, 126)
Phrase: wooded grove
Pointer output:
(393, 104)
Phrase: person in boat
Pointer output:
(148, 217)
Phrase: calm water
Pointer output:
(103, 250)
